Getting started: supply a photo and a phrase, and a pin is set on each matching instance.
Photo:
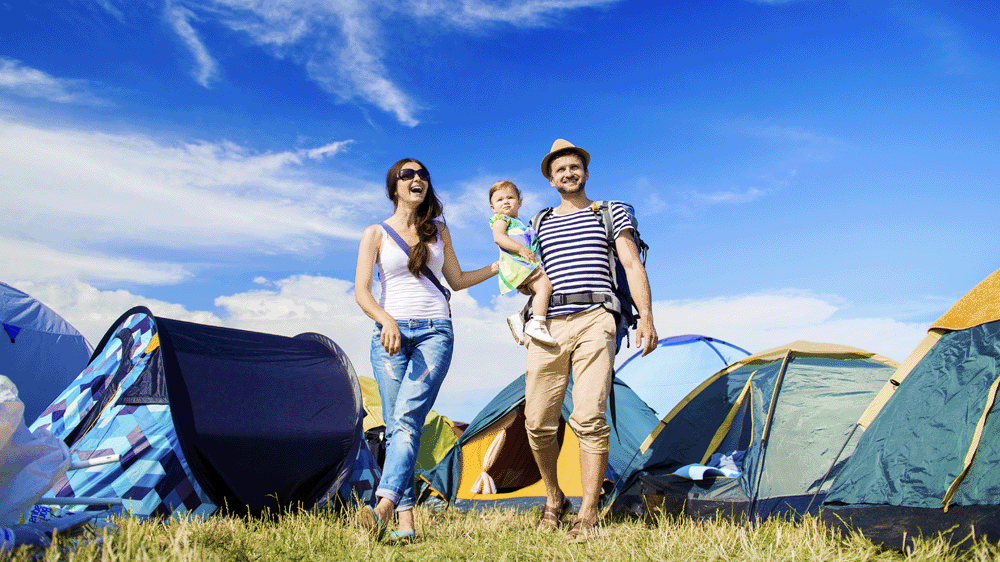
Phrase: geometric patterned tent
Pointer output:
(201, 417)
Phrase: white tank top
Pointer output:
(404, 295)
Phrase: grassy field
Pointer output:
(493, 535)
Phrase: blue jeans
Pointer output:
(408, 383)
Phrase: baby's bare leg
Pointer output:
(542, 288)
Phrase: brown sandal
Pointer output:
(552, 516)
(582, 531)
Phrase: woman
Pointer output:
(412, 343)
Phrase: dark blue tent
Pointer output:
(39, 351)
(202, 417)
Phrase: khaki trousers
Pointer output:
(586, 346)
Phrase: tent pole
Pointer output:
(829, 470)
(80, 501)
(767, 432)
(95, 461)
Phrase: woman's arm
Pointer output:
(457, 278)
(364, 274)
(509, 244)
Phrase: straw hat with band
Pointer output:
(562, 145)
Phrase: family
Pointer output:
(413, 339)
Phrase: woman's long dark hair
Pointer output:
(429, 210)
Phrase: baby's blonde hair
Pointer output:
(503, 184)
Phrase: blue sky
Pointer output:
(811, 169)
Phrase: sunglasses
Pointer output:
(408, 173)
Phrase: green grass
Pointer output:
(501, 535)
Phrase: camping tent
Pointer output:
(39, 351)
(437, 437)
(927, 460)
(492, 464)
(677, 365)
(197, 417)
(29, 461)
(786, 413)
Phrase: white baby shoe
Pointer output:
(516, 323)
(538, 332)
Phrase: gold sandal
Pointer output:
(553, 516)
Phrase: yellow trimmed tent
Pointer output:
(927, 461)
(784, 418)
(492, 464)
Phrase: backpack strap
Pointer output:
(426, 270)
(602, 210)
(536, 224)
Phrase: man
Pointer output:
(574, 252)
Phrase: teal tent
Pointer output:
(39, 351)
(927, 460)
(763, 437)
(492, 465)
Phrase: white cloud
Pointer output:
(29, 260)
(33, 83)
(92, 311)
(530, 13)
(486, 358)
(761, 321)
(80, 193)
(945, 35)
(206, 68)
(790, 133)
(341, 43)
(726, 197)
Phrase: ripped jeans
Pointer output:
(408, 384)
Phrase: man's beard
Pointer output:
(578, 187)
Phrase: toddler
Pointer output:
(519, 267)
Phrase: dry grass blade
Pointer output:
(498, 535)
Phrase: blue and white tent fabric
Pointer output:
(39, 351)
(201, 417)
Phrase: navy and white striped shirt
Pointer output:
(574, 250)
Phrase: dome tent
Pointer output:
(926, 461)
(789, 412)
(39, 351)
(677, 365)
(492, 465)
